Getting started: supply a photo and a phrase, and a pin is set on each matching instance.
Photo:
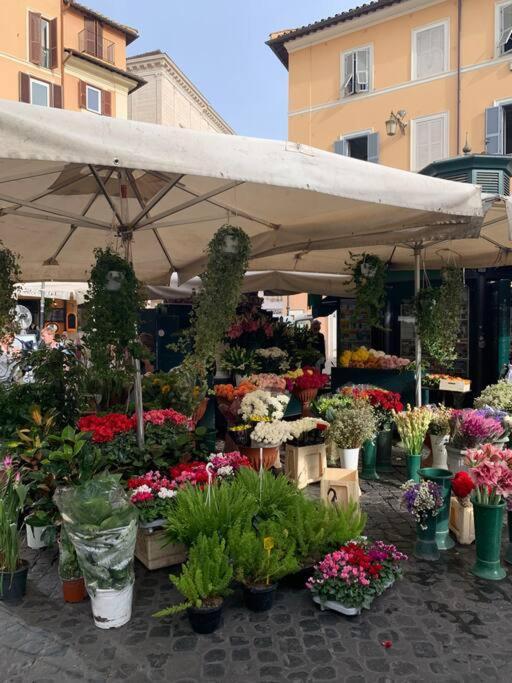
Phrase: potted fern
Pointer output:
(260, 559)
(204, 582)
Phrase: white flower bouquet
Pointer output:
(274, 433)
(260, 404)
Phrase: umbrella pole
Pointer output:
(417, 340)
(127, 239)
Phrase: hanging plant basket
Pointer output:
(369, 279)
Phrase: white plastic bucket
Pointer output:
(112, 608)
(349, 458)
(35, 537)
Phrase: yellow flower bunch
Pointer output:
(293, 374)
(412, 425)
(358, 357)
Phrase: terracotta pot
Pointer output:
(253, 455)
(74, 590)
(200, 410)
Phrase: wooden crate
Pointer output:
(462, 522)
(305, 464)
(151, 550)
(340, 485)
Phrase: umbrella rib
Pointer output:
(35, 197)
(496, 244)
(24, 176)
(55, 219)
(73, 217)
(144, 206)
(174, 224)
(191, 202)
(103, 189)
(147, 206)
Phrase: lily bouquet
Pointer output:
(490, 468)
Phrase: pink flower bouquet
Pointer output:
(470, 429)
(490, 468)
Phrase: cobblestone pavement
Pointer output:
(444, 625)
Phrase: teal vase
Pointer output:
(488, 528)
(425, 547)
(369, 459)
(508, 552)
(444, 479)
(413, 466)
(384, 446)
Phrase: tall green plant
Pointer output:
(112, 308)
(215, 305)
(369, 279)
(9, 275)
(274, 496)
(205, 578)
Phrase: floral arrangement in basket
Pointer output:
(470, 429)
(260, 404)
(490, 468)
(356, 573)
(462, 488)
(268, 381)
(422, 500)
(412, 425)
(384, 402)
(370, 358)
(306, 378)
(308, 431)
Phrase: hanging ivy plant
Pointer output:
(438, 313)
(369, 278)
(112, 308)
(215, 305)
(9, 275)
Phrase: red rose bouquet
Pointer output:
(306, 378)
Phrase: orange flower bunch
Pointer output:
(228, 393)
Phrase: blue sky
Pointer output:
(220, 45)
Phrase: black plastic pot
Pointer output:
(13, 586)
(205, 619)
(298, 579)
(260, 598)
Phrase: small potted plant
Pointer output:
(349, 579)
(203, 582)
(423, 501)
(101, 523)
(260, 559)
(412, 425)
(73, 584)
(13, 570)
(351, 427)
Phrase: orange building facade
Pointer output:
(442, 67)
(60, 53)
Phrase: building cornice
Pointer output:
(162, 62)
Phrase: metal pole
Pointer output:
(127, 238)
(41, 309)
(417, 341)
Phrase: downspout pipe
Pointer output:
(459, 58)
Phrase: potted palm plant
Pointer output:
(204, 582)
(260, 559)
(13, 570)
(351, 427)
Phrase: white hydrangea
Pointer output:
(271, 433)
(166, 493)
(262, 403)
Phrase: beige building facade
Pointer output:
(169, 97)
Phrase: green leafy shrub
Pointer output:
(274, 495)
(343, 524)
(205, 577)
(497, 396)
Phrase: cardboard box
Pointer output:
(338, 486)
(305, 464)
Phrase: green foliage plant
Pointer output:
(215, 305)
(9, 276)
(13, 493)
(438, 313)
(240, 360)
(69, 569)
(274, 496)
(368, 275)
(343, 523)
(261, 557)
(112, 314)
(205, 577)
(497, 396)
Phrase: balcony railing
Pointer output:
(101, 48)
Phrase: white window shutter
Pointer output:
(505, 26)
(430, 51)
(363, 70)
(341, 147)
(429, 141)
(373, 147)
(494, 130)
(348, 74)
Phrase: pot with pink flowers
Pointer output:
(490, 468)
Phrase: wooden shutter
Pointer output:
(24, 87)
(363, 70)
(494, 130)
(348, 75)
(34, 37)
(106, 103)
(90, 36)
(82, 94)
(54, 45)
(99, 40)
(341, 147)
(57, 96)
(373, 147)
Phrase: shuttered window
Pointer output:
(429, 140)
(430, 51)
(364, 147)
(37, 91)
(94, 99)
(356, 71)
(42, 41)
(505, 28)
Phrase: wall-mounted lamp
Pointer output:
(396, 121)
